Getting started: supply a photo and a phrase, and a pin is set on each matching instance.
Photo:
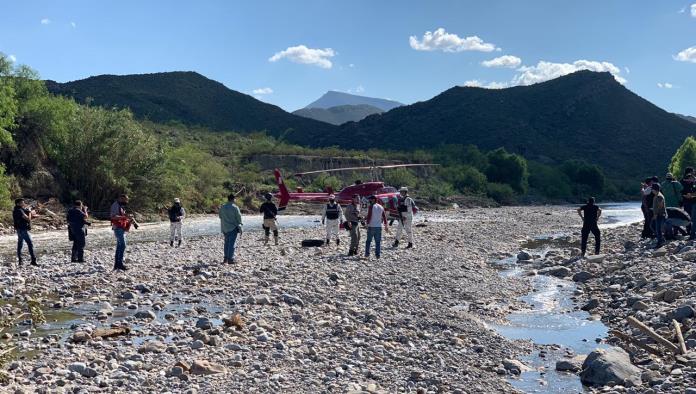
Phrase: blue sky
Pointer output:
(291, 52)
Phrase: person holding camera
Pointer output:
(22, 216)
(121, 224)
(77, 232)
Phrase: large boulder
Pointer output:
(603, 366)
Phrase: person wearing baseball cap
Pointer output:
(177, 213)
(406, 208)
(332, 216)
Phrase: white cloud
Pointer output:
(351, 65)
(693, 10)
(260, 91)
(12, 58)
(303, 55)
(73, 24)
(45, 21)
(687, 55)
(503, 61)
(545, 71)
(482, 84)
(440, 40)
(665, 85)
(628, 70)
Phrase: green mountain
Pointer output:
(189, 98)
(584, 115)
(687, 117)
(339, 114)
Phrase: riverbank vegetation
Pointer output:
(51, 146)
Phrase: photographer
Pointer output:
(22, 216)
(121, 224)
(77, 232)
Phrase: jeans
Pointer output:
(376, 234)
(24, 236)
(79, 241)
(354, 237)
(659, 222)
(120, 246)
(230, 240)
(585, 233)
(693, 220)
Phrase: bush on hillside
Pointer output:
(502, 193)
(684, 157)
(465, 179)
(507, 168)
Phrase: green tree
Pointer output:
(399, 177)
(465, 179)
(684, 157)
(549, 181)
(501, 193)
(587, 179)
(8, 101)
(507, 168)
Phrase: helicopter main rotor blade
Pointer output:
(299, 174)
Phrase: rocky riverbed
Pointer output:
(284, 319)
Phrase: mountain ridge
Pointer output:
(339, 114)
(334, 98)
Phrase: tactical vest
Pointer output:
(332, 211)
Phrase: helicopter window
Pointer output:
(387, 189)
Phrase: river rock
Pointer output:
(145, 315)
(683, 312)
(590, 305)
(152, 347)
(204, 367)
(524, 255)
(569, 364)
(292, 300)
(558, 271)
(204, 324)
(609, 365)
(81, 336)
(582, 276)
(515, 367)
(597, 258)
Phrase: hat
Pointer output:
(656, 186)
(655, 179)
(669, 176)
(404, 189)
(177, 201)
(331, 196)
(268, 196)
(372, 197)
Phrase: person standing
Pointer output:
(689, 201)
(672, 191)
(230, 226)
(659, 211)
(270, 213)
(22, 217)
(353, 219)
(590, 214)
(375, 218)
(332, 216)
(121, 224)
(77, 220)
(646, 205)
(406, 208)
(177, 213)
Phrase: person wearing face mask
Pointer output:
(376, 217)
(353, 218)
(177, 213)
(406, 209)
(332, 216)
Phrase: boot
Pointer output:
(33, 261)
(179, 244)
(338, 241)
(328, 242)
(409, 246)
(171, 243)
(19, 262)
(275, 240)
(396, 244)
(265, 241)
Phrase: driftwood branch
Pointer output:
(680, 337)
(636, 342)
(652, 334)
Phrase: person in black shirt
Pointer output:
(22, 216)
(269, 211)
(77, 220)
(590, 214)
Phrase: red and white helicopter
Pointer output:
(386, 195)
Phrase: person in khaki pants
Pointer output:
(269, 211)
(353, 218)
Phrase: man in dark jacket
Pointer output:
(270, 212)
(177, 213)
(77, 220)
(590, 214)
(22, 216)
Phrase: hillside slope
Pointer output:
(189, 98)
(339, 114)
(585, 115)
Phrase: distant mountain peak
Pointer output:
(334, 98)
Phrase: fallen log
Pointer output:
(680, 337)
(652, 334)
(636, 342)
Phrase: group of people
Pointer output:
(669, 208)
(374, 218)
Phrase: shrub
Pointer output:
(684, 157)
(508, 168)
(501, 193)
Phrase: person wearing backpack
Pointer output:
(177, 213)
(332, 216)
(406, 208)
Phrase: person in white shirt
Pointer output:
(406, 209)
(332, 216)
(374, 220)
